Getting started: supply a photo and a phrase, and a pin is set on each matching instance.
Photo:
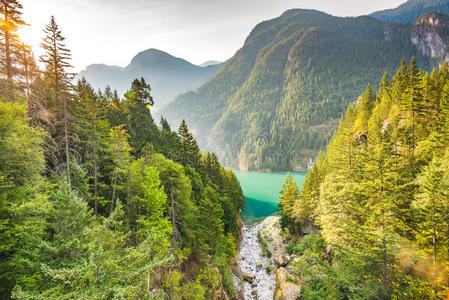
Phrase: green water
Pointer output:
(261, 192)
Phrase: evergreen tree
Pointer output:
(140, 124)
(92, 128)
(57, 61)
(413, 101)
(289, 195)
(190, 149)
(10, 45)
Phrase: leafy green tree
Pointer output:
(119, 151)
(22, 193)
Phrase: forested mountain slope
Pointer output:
(276, 103)
(169, 75)
(380, 197)
(411, 10)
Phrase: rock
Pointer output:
(259, 266)
(285, 289)
(288, 291)
(281, 260)
(248, 277)
(281, 276)
(309, 228)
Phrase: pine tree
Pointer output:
(140, 124)
(92, 128)
(289, 195)
(190, 149)
(431, 201)
(56, 60)
(413, 99)
(10, 45)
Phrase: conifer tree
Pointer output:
(413, 100)
(140, 124)
(289, 195)
(191, 151)
(57, 61)
(11, 19)
(92, 128)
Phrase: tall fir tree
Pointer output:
(57, 61)
(10, 45)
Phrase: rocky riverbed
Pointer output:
(264, 269)
(259, 282)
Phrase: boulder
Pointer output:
(248, 277)
(285, 289)
(281, 260)
(288, 291)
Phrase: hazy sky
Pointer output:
(113, 31)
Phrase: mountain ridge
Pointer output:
(289, 84)
(168, 75)
(409, 11)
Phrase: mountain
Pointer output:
(210, 63)
(277, 102)
(411, 10)
(169, 76)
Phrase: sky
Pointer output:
(114, 31)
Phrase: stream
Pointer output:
(263, 285)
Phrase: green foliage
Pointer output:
(264, 245)
(380, 196)
(99, 202)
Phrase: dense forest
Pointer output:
(277, 102)
(97, 201)
(379, 197)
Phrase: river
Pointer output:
(261, 192)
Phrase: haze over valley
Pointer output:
(218, 150)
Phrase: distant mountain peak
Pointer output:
(411, 10)
(168, 75)
(433, 19)
(210, 63)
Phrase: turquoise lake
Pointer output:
(261, 192)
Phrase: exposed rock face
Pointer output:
(285, 289)
(431, 36)
(281, 260)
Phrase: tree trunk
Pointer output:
(27, 82)
(113, 192)
(66, 141)
(115, 182)
(95, 166)
(173, 215)
(8, 54)
(434, 238)
(95, 182)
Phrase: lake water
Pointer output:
(261, 192)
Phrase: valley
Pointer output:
(312, 164)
